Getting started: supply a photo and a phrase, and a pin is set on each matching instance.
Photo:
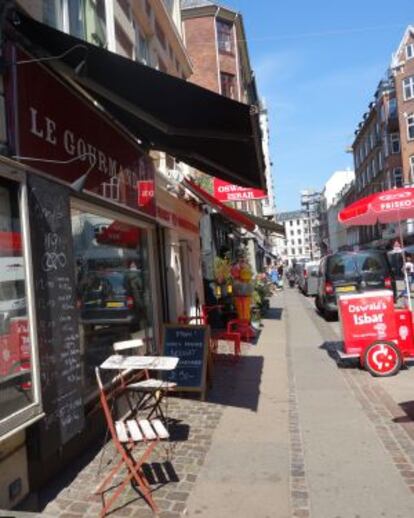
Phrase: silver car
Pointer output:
(307, 276)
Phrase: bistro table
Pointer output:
(151, 391)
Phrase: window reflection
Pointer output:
(15, 350)
(114, 296)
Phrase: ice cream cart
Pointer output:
(376, 332)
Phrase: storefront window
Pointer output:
(16, 387)
(113, 287)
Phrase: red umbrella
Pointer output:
(381, 207)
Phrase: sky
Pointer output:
(317, 64)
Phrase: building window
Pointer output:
(228, 85)
(299, 242)
(410, 126)
(65, 15)
(412, 169)
(225, 36)
(374, 167)
(395, 143)
(408, 88)
(141, 47)
(292, 232)
(293, 251)
(409, 51)
(380, 161)
(397, 178)
(291, 223)
(18, 397)
(113, 286)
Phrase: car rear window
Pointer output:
(355, 264)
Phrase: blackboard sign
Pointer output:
(56, 313)
(190, 345)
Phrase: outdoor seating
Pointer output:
(127, 434)
(216, 334)
(149, 391)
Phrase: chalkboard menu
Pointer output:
(56, 313)
(190, 345)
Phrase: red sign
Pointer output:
(367, 317)
(145, 192)
(57, 124)
(225, 191)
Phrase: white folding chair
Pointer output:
(127, 434)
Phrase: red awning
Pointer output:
(233, 215)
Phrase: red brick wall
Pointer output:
(200, 39)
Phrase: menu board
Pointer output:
(190, 345)
(56, 314)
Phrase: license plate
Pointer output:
(114, 305)
(345, 289)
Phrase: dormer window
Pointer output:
(409, 51)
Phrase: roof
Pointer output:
(408, 31)
(293, 214)
(189, 4)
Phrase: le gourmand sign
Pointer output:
(224, 191)
(53, 124)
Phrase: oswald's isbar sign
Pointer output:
(367, 317)
(224, 191)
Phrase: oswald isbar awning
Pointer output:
(236, 217)
(208, 131)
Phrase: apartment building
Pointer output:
(383, 147)
(402, 67)
(216, 42)
(296, 244)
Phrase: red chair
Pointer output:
(218, 334)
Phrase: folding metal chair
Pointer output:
(127, 434)
(150, 391)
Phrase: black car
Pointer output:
(348, 272)
(111, 297)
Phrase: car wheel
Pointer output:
(382, 359)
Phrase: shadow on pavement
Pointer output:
(408, 408)
(332, 349)
(273, 314)
(236, 383)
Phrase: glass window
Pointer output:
(225, 36)
(95, 22)
(409, 51)
(228, 87)
(113, 286)
(410, 126)
(397, 178)
(408, 88)
(16, 375)
(395, 143)
(412, 169)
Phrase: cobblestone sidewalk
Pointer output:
(173, 467)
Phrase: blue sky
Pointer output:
(318, 64)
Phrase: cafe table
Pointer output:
(150, 391)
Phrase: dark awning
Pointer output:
(208, 131)
(265, 224)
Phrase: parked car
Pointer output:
(110, 297)
(347, 272)
(308, 277)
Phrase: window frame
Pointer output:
(229, 36)
(408, 86)
(395, 139)
(225, 80)
(411, 165)
(410, 126)
(28, 415)
(409, 51)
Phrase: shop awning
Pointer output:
(208, 131)
(236, 217)
(270, 226)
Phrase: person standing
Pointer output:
(409, 268)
